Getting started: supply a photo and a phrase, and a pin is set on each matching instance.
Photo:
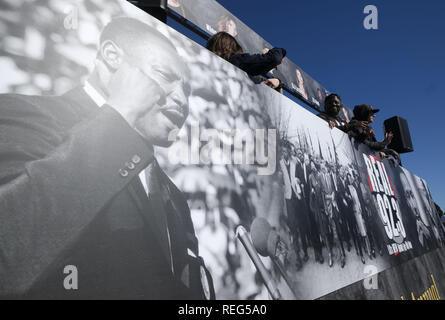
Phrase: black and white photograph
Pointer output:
(138, 164)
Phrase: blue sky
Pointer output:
(398, 68)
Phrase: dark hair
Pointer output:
(224, 45)
(331, 97)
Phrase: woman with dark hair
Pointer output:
(226, 46)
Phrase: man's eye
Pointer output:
(164, 76)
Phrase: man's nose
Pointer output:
(179, 97)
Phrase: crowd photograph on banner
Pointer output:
(137, 164)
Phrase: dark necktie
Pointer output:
(157, 205)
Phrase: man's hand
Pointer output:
(331, 124)
(133, 93)
(362, 124)
(273, 83)
(382, 155)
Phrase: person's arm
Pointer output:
(258, 64)
(47, 202)
(353, 125)
(372, 143)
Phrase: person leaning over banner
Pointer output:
(331, 114)
(255, 65)
(80, 187)
(361, 130)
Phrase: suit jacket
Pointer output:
(70, 195)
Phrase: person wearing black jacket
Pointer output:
(255, 65)
(331, 114)
(365, 114)
(361, 130)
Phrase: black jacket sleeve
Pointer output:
(345, 127)
(258, 64)
(49, 200)
(323, 116)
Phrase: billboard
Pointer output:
(417, 279)
(211, 17)
(245, 155)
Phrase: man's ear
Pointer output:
(111, 54)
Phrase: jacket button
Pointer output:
(130, 165)
(136, 159)
(124, 173)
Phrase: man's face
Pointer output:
(163, 65)
(334, 105)
(299, 77)
(174, 3)
(371, 118)
(231, 28)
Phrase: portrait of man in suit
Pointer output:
(80, 185)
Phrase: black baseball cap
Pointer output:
(363, 111)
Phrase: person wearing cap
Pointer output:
(360, 129)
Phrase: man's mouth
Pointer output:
(174, 115)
